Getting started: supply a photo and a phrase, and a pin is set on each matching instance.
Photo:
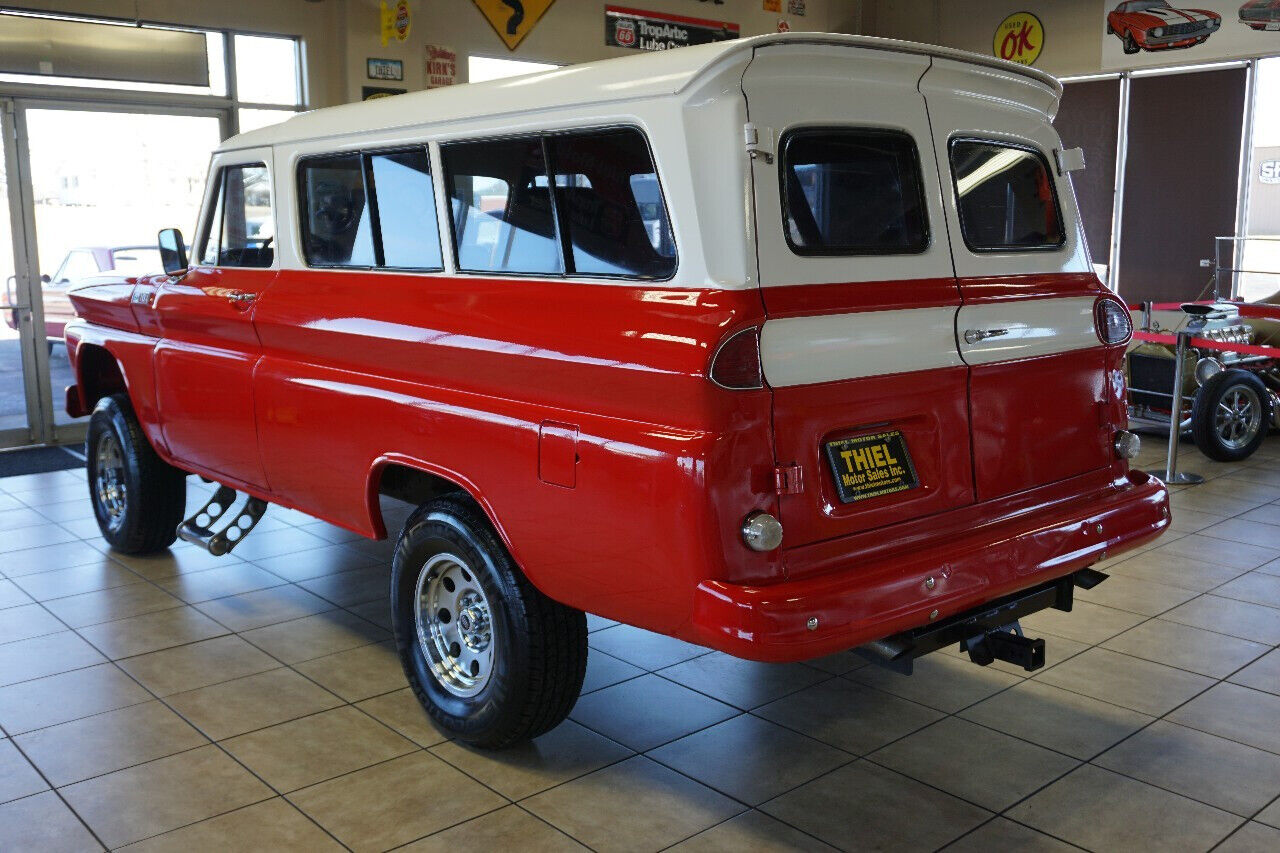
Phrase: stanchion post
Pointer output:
(1172, 475)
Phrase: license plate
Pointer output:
(869, 466)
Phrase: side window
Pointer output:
(608, 197)
(241, 227)
(852, 191)
(503, 220)
(337, 228)
(406, 205)
(1005, 197)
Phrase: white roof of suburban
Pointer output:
(645, 75)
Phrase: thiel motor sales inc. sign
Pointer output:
(639, 30)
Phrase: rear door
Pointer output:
(870, 390)
(1038, 399)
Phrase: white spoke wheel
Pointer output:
(491, 659)
(1231, 415)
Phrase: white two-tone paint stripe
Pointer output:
(835, 347)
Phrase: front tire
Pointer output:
(138, 498)
(1230, 415)
(1130, 43)
(491, 659)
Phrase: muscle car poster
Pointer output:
(1139, 33)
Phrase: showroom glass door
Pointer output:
(102, 181)
(19, 398)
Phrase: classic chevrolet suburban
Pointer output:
(785, 346)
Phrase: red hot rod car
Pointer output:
(1155, 25)
(1261, 14)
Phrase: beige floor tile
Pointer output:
(966, 760)
(1263, 674)
(395, 802)
(82, 528)
(136, 803)
(644, 649)
(312, 749)
(179, 559)
(754, 831)
(1191, 521)
(648, 711)
(72, 510)
(377, 612)
(247, 704)
(1268, 514)
(1222, 773)
(280, 542)
(38, 536)
(402, 711)
(1270, 815)
(849, 716)
(263, 607)
(233, 579)
(1228, 616)
(1141, 685)
(1242, 531)
(315, 636)
(870, 803)
(358, 586)
(750, 759)
(1002, 834)
(945, 682)
(108, 605)
(197, 665)
(12, 596)
(598, 623)
(151, 632)
(1086, 623)
(1186, 572)
(1198, 501)
(613, 809)
(1136, 595)
(510, 828)
(1185, 647)
(839, 663)
(1236, 555)
(315, 562)
(357, 673)
(1251, 838)
(78, 750)
(1256, 587)
(742, 683)
(76, 580)
(331, 532)
(45, 655)
(43, 822)
(67, 696)
(17, 777)
(26, 621)
(51, 558)
(12, 519)
(1272, 568)
(1098, 809)
(273, 825)
(1058, 719)
(604, 670)
(1237, 713)
(566, 752)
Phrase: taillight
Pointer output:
(1112, 322)
(736, 364)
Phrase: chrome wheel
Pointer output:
(1238, 417)
(108, 482)
(454, 625)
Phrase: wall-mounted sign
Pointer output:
(774, 6)
(385, 69)
(796, 7)
(442, 66)
(1019, 38)
(512, 20)
(372, 93)
(632, 28)
(1269, 171)
(396, 21)
(784, 26)
(1139, 33)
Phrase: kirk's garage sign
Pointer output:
(638, 30)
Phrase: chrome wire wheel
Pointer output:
(1238, 417)
(108, 481)
(454, 624)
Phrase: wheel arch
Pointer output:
(417, 481)
(98, 375)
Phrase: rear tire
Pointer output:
(138, 498)
(491, 659)
(1230, 415)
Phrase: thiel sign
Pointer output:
(637, 30)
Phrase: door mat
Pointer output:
(38, 460)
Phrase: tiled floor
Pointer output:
(185, 702)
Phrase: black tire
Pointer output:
(143, 514)
(1130, 43)
(1233, 436)
(537, 647)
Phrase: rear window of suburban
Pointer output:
(852, 191)
(1005, 197)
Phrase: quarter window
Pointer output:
(242, 228)
(1005, 197)
(852, 192)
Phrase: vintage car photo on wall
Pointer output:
(1155, 25)
(1261, 14)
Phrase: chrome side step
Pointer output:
(199, 528)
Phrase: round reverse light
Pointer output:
(1207, 368)
(761, 531)
(1127, 444)
(1112, 322)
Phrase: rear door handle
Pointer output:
(242, 300)
(973, 336)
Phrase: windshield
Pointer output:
(1143, 5)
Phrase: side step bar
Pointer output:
(989, 632)
(199, 528)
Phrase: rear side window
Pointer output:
(852, 191)
(1005, 197)
(241, 228)
(337, 229)
(406, 205)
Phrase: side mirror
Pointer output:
(173, 252)
(44, 279)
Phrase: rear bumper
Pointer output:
(863, 600)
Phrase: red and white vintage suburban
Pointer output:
(784, 346)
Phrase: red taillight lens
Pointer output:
(736, 364)
(1112, 322)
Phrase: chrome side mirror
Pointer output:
(173, 252)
